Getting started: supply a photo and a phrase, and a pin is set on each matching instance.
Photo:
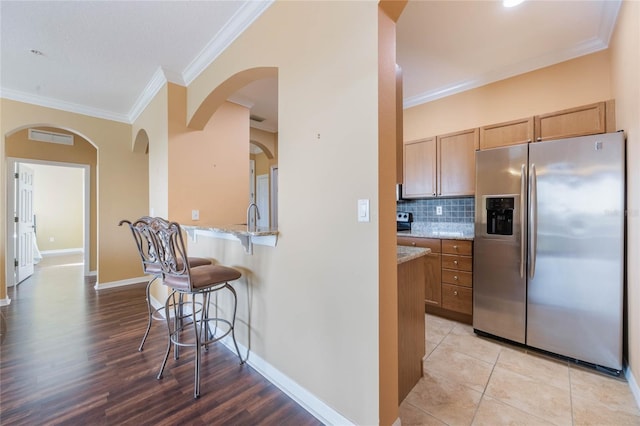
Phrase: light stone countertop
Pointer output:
(441, 230)
(239, 232)
(406, 254)
(237, 229)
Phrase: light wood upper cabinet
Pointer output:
(509, 133)
(580, 121)
(457, 163)
(419, 169)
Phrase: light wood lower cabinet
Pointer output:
(411, 327)
(448, 276)
(433, 268)
(457, 268)
(457, 299)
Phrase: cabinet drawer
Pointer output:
(456, 298)
(432, 243)
(457, 277)
(463, 247)
(459, 263)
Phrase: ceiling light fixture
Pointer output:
(511, 3)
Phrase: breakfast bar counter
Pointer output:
(247, 237)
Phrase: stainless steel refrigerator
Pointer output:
(549, 246)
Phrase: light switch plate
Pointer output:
(195, 214)
(363, 210)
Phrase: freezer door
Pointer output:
(499, 259)
(575, 289)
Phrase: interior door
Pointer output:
(262, 200)
(25, 226)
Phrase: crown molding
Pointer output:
(42, 101)
(590, 46)
(239, 22)
(157, 82)
(610, 11)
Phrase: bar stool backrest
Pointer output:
(172, 253)
(144, 244)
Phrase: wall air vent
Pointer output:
(256, 118)
(51, 137)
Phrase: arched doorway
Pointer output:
(63, 148)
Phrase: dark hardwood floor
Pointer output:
(68, 355)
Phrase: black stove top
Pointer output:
(403, 221)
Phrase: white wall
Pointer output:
(314, 298)
(58, 203)
(625, 79)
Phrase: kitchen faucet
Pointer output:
(255, 217)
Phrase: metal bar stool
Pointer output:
(151, 265)
(184, 279)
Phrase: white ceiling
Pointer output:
(446, 47)
(108, 58)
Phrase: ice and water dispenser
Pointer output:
(500, 215)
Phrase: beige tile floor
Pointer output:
(470, 380)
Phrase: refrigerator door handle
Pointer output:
(523, 189)
(533, 212)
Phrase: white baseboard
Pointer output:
(633, 385)
(61, 252)
(306, 399)
(4, 302)
(121, 283)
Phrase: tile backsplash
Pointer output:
(460, 210)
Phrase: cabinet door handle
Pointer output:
(455, 248)
(455, 292)
(413, 244)
(455, 277)
(455, 262)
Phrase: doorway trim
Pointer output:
(10, 212)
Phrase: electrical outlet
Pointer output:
(51, 239)
(195, 214)
(439, 210)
